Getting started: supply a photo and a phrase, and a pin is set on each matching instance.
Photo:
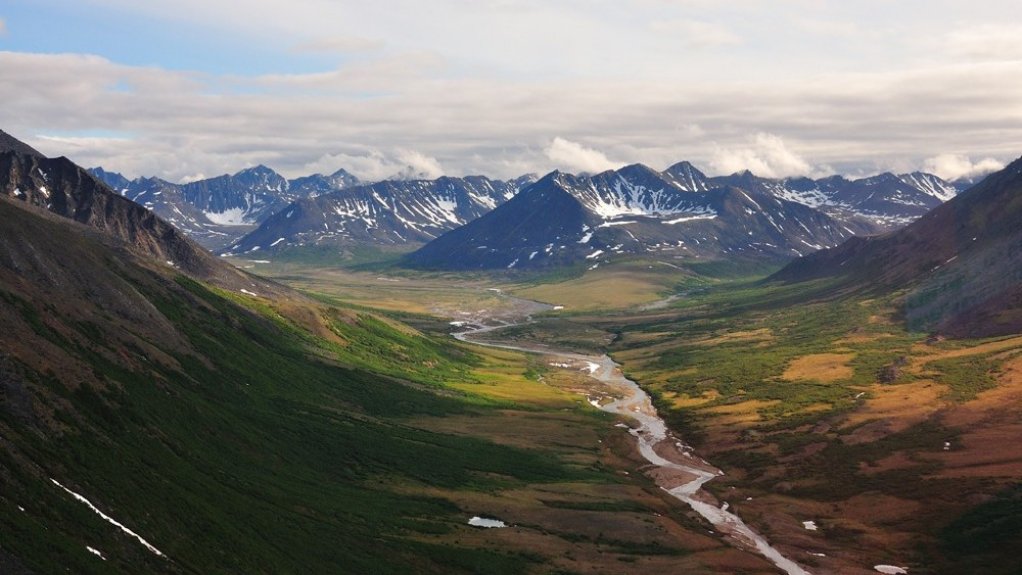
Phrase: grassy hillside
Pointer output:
(238, 433)
(247, 457)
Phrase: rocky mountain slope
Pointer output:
(388, 213)
(882, 202)
(62, 188)
(961, 261)
(565, 219)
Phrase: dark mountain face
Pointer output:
(218, 211)
(538, 222)
(61, 188)
(389, 213)
(246, 198)
(961, 261)
(565, 219)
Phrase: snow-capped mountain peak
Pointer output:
(564, 219)
(387, 213)
(930, 184)
(218, 210)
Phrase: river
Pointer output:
(677, 470)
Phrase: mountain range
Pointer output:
(388, 213)
(259, 210)
(679, 213)
(217, 211)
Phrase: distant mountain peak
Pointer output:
(687, 177)
(682, 165)
(636, 168)
(342, 173)
(880, 178)
(258, 169)
(116, 181)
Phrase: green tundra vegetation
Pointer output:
(345, 431)
(257, 450)
(820, 402)
(285, 434)
(815, 402)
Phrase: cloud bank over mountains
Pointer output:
(504, 88)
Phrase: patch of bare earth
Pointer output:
(823, 367)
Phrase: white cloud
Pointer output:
(691, 131)
(374, 165)
(364, 115)
(3, 27)
(987, 42)
(576, 157)
(955, 166)
(765, 155)
(695, 33)
(192, 178)
(418, 166)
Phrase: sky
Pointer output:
(188, 89)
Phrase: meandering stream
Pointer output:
(677, 470)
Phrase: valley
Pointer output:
(510, 288)
(820, 412)
(164, 410)
(675, 468)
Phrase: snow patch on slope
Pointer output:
(229, 217)
(109, 519)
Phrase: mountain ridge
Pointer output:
(959, 263)
(565, 219)
(217, 211)
(59, 187)
(387, 213)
